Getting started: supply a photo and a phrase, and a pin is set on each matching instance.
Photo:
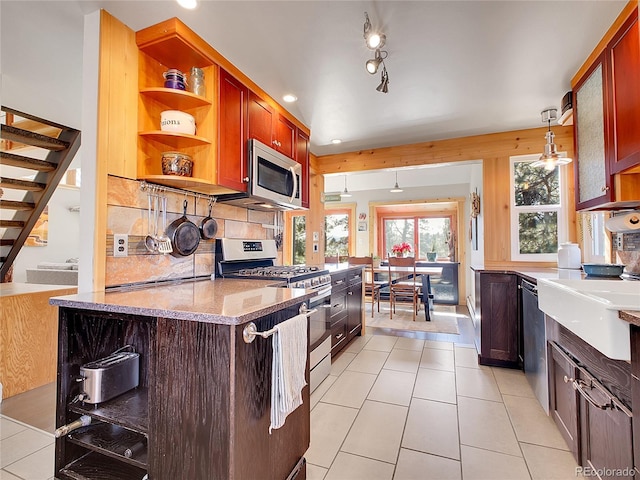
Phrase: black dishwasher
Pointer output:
(535, 344)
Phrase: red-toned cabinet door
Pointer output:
(302, 157)
(232, 141)
(624, 101)
(260, 119)
(285, 137)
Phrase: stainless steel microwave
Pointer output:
(273, 177)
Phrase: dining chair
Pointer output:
(403, 283)
(371, 285)
(332, 259)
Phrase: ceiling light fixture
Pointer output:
(188, 4)
(384, 81)
(550, 159)
(396, 188)
(336, 141)
(346, 193)
(289, 98)
(375, 40)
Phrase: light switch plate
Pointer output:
(316, 236)
(120, 245)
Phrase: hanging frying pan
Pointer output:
(208, 226)
(184, 235)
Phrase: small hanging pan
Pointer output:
(184, 235)
(208, 226)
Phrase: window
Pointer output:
(536, 210)
(299, 236)
(429, 231)
(337, 228)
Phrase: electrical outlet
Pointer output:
(617, 242)
(120, 245)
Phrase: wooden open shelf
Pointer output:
(129, 410)
(175, 140)
(179, 99)
(112, 441)
(87, 466)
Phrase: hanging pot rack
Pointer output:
(152, 187)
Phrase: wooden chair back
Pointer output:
(332, 259)
(371, 288)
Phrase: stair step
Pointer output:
(7, 242)
(13, 205)
(11, 224)
(26, 162)
(17, 184)
(19, 135)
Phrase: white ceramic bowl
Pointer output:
(177, 121)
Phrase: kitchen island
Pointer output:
(202, 407)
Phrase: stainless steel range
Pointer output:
(255, 259)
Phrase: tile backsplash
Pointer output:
(629, 252)
(127, 213)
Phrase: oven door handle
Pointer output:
(321, 295)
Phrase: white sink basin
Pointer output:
(589, 308)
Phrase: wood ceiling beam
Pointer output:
(477, 147)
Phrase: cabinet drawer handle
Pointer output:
(567, 379)
(339, 336)
(337, 305)
(245, 179)
(605, 188)
(339, 282)
(349, 293)
(579, 386)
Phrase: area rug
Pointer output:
(443, 319)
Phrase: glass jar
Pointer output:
(569, 256)
(196, 81)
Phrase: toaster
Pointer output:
(110, 376)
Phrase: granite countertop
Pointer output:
(222, 301)
(535, 273)
(340, 267)
(631, 316)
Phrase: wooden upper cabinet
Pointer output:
(260, 119)
(233, 133)
(302, 157)
(269, 127)
(624, 98)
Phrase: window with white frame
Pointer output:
(537, 223)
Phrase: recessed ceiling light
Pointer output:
(188, 4)
(289, 97)
(336, 141)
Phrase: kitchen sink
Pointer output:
(589, 308)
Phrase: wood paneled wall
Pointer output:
(28, 340)
(494, 150)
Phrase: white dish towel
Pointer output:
(287, 368)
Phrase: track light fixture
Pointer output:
(396, 188)
(550, 158)
(375, 41)
(384, 81)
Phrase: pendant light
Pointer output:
(550, 159)
(346, 193)
(396, 188)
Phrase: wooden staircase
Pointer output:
(18, 217)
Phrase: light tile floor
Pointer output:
(404, 408)
(393, 408)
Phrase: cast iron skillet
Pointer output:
(208, 226)
(184, 235)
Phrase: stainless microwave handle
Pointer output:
(295, 184)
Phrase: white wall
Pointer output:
(41, 49)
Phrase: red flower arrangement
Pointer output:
(401, 248)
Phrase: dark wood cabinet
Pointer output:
(624, 98)
(354, 304)
(269, 127)
(233, 133)
(497, 319)
(590, 398)
(607, 124)
(635, 390)
(302, 157)
(201, 411)
(563, 399)
(346, 310)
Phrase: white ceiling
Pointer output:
(456, 68)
